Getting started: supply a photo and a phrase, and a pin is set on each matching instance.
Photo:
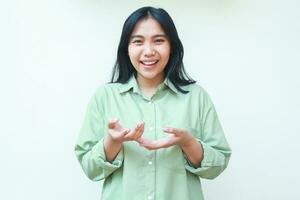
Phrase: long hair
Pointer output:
(174, 71)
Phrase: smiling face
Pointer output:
(149, 51)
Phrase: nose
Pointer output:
(149, 50)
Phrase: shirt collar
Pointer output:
(132, 84)
(169, 83)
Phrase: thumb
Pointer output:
(172, 131)
(112, 123)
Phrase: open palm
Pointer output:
(121, 134)
(177, 137)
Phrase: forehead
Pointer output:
(147, 27)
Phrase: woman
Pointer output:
(151, 132)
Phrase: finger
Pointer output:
(140, 140)
(161, 143)
(112, 122)
(166, 142)
(140, 131)
(132, 133)
(125, 132)
(147, 143)
(175, 131)
(144, 141)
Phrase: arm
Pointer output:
(111, 148)
(216, 151)
(117, 135)
(89, 148)
(99, 155)
(194, 152)
(206, 150)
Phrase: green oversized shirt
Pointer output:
(140, 174)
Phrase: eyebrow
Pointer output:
(140, 36)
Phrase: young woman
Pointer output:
(151, 132)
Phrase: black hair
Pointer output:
(174, 71)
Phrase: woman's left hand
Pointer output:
(177, 136)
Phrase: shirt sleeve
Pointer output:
(89, 148)
(215, 146)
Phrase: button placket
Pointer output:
(149, 163)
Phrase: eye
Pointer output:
(159, 41)
(137, 41)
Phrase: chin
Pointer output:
(149, 76)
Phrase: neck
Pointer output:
(148, 86)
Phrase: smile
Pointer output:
(149, 63)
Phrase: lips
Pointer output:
(149, 63)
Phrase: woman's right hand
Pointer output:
(120, 134)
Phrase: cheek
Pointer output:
(165, 51)
(165, 54)
(133, 54)
(134, 59)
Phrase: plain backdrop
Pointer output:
(55, 53)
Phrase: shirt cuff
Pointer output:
(210, 165)
(108, 167)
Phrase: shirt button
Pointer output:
(149, 197)
(150, 162)
(151, 128)
(150, 102)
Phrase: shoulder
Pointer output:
(104, 93)
(199, 94)
(107, 88)
(196, 90)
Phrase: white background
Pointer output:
(55, 53)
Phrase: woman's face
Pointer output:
(149, 51)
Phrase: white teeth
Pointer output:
(149, 62)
